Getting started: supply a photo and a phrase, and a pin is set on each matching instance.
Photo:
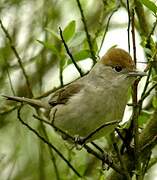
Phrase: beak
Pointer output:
(136, 73)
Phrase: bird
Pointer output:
(93, 105)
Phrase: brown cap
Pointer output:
(118, 57)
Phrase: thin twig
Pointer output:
(8, 110)
(56, 128)
(102, 18)
(133, 34)
(147, 81)
(61, 76)
(107, 26)
(151, 59)
(145, 164)
(148, 92)
(87, 33)
(97, 147)
(125, 141)
(152, 31)
(47, 93)
(18, 58)
(153, 140)
(152, 162)
(121, 161)
(135, 107)
(98, 129)
(145, 93)
(46, 137)
(51, 152)
(104, 157)
(129, 23)
(47, 142)
(69, 53)
(10, 81)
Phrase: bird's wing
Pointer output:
(62, 95)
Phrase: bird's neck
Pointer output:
(102, 75)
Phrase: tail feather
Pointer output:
(33, 102)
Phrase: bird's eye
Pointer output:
(118, 68)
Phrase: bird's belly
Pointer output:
(81, 120)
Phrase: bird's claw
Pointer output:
(79, 142)
(107, 162)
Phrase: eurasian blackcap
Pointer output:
(95, 102)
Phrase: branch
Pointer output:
(148, 92)
(69, 53)
(104, 157)
(6, 111)
(87, 33)
(145, 93)
(135, 107)
(52, 155)
(122, 164)
(47, 142)
(133, 35)
(107, 26)
(151, 32)
(147, 141)
(18, 58)
(129, 22)
(148, 137)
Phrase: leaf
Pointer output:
(49, 46)
(53, 33)
(83, 54)
(78, 39)
(63, 63)
(150, 5)
(95, 46)
(154, 102)
(144, 117)
(69, 31)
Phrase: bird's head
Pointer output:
(120, 64)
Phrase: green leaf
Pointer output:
(69, 31)
(95, 46)
(53, 33)
(78, 39)
(49, 46)
(154, 102)
(83, 54)
(144, 117)
(150, 5)
(63, 63)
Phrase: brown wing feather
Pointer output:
(64, 94)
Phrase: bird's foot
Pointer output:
(79, 142)
(107, 162)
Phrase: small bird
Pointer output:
(93, 105)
